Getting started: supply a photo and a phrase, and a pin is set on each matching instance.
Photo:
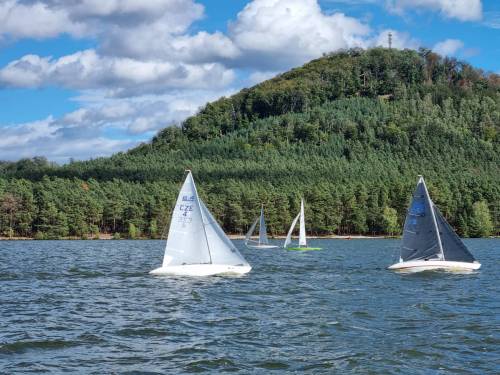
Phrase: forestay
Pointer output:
(420, 237)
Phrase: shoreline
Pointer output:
(107, 236)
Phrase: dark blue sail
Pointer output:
(420, 237)
(453, 247)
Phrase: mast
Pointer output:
(203, 220)
(431, 204)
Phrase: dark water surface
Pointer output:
(89, 307)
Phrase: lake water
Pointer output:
(89, 307)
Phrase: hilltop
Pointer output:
(349, 131)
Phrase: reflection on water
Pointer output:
(90, 307)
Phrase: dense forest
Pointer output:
(349, 132)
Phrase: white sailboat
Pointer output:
(302, 232)
(196, 244)
(263, 242)
(429, 243)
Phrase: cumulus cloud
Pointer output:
(123, 76)
(17, 20)
(463, 10)
(448, 47)
(48, 137)
(81, 18)
(277, 34)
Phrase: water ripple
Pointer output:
(90, 307)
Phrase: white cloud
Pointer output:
(91, 131)
(278, 34)
(463, 10)
(35, 20)
(448, 47)
(122, 76)
(47, 137)
(81, 18)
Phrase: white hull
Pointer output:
(201, 270)
(431, 265)
(262, 246)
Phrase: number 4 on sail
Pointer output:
(429, 243)
(196, 244)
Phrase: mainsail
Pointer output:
(187, 242)
(302, 224)
(302, 228)
(420, 235)
(194, 236)
(262, 229)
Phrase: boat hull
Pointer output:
(262, 246)
(201, 270)
(433, 265)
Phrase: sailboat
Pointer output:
(196, 244)
(429, 242)
(263, 242)
(302, 232)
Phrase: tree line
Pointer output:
(349, 132)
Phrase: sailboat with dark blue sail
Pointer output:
(429, 242)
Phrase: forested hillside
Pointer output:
(349, 131)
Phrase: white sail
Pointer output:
(302, 230)
(262, 229)
(187, 241)
(251, 230)
(289, 235)
(222, 250)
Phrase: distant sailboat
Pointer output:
(302, 232)
(196, 244)
(263, 242)
(429, 243)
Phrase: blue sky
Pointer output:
(91, 78)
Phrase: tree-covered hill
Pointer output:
(349, 131)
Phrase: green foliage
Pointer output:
(132, 231)
(481, 223)
(390, 221)
(349, 132)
